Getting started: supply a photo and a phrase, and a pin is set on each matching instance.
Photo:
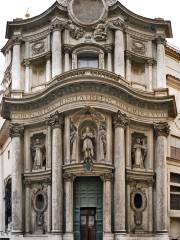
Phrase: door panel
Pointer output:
(88, 196)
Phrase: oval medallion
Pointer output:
(87, 12)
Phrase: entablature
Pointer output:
(93, 87)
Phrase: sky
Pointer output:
(169, 10)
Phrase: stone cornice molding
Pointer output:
(162, 129)
(16, 130)
(120, 120)
(142, 58)
(56, 120)
(91, 81)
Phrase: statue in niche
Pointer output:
(87, 146)
(38, 153)
(139, 152)
(73, 140)
(103, 142)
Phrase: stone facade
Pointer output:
(87, 122)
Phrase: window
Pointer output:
(175, 147)
(88, 60)
(175, 191)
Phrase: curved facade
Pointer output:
(88, 115)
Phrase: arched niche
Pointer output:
(8, 202)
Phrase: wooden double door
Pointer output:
(88, 223)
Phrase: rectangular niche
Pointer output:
(138, 74)
(38, 75)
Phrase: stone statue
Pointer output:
(100, 33)
(73, 140)
(139, 152)
(38, 150)
(102, 141)
(88, 148)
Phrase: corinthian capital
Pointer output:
(161, 129)
(16, 130)
(56, 120)
(120, 119)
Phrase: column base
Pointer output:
(108, 236)
(68, 236)
(120, 236)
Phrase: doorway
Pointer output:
(88, 208)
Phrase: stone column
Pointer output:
(67, 51)
(56, 121)
(107, 224)
(67, 157)
(27, 208)
(128, 67)
(16, 64)
(49, 144)
(1, 195)
(119, 66)
(109, 57)
(161, 75)
(69, 178)
(48, 68)
(150, 75)
(161, 131)
(120, 121)
(16, 132)
(27, 77)
(56, 49)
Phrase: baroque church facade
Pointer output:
(90, 134)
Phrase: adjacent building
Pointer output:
(90, 127)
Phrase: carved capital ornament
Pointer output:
(162, 129)
(16, 130)
(56, 120)
(120, 119)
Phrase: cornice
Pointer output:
(90, 80)
(172, 52)
(135, 19)
(173, 81)
(44, 17)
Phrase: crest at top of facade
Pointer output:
(109, 2)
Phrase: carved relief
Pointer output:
(38, 152)
(100, 33)
(139, 150)
(102, 141)
(75, 32)
(38, 47)
(138, 47)
(120, 119)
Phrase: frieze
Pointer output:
(87, 99)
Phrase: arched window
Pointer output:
(8, 203)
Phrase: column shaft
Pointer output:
(109, 61)
(119, 53)
(119, 183)
(162, 131)
(67, 62)
(150, 73)
(16, 67)
(120, 121)
(107, 206)
(17, 196)
(161, 76)
(48, 70)
(57, 184)
(128, 69)
(56, 53)
(27, 210)
(27, 77)
(69, 205)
